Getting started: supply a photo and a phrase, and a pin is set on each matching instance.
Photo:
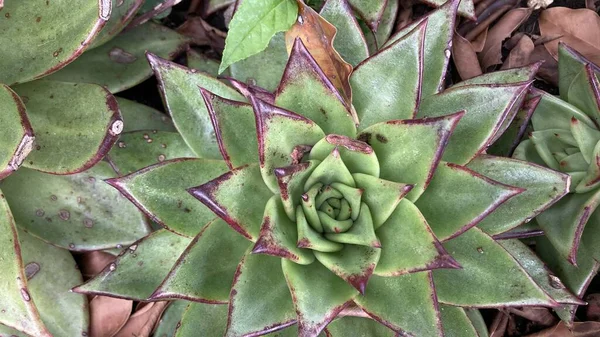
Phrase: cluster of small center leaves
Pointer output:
(324, 198)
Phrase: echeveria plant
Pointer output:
(335, 197)
(565, 137)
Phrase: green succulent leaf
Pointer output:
(258, 277)
(410, 150)
(137, 117)
(330, 171)
(361, 233)
(49, 38)
(170, 319)
(487, 108)
(543, 187)
(16, 140)
(570, 65)
(238, 197)
(50, 276)
(120, 63)
(160, 192)
(554, 113)
(265, 68)
(179, 88)
(279, 235)
(123, 11)
(459, 198)
(356, 155)
(575, 278)
(509, 140)
(408, 244)
(508, 76)
(291, 180)
(204, 272)
(388, 21)
(280, 132)
(316, 306)
(466, 7)
(539, 272)
(370, 11)
(306, 90)
(199, 61)
(136, 272)
(387, 86)
(253, 25)
(354, 263)
(456, 323)
(309, 238)
(384, 293)
(202, 319)
(584, 92)
(490, 276)
(438, 39)
(139, 149)
(382, 196)
(76, 212)
(563, 223)
(19, 310)
(586, 137)
(357, 326)
(228, 118)
(75, 124)
(349, 40)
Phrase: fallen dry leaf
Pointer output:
(580, 329)
(108, 315)
(549, 68)
(479, 42)
(592, 311)
(489, 12)
(405, 12)
(492, 51)
(145, 17)
(465, 58)
(499, 324)
(317, 35)
(144, 319)
(578, 28)
(94, 262)
(202, 34)
(590, 4)
(520, 54)
(539, 315)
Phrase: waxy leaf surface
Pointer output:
(456, 323)
(179, 87)
(144, 271)
(160, 192)
(138, 116)
(16, 140)
(123, 11)
(75, 124)
(51, 35)
(121, 63)
(76, 212)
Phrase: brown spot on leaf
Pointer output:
(381, 138)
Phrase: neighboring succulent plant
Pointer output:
(410, 209)
(565, 137)
(59, 130)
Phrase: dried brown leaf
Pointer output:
(580, 329)
(202, 34)
(590, 4)
(580, 29)
(549, 69)
(465, 58)
(479, 42)
(405, 12)
(592, 311)
(499, 325)
(108, 315)
(143, 321)
(489, 14)
(492, 51)
(317, 35)
(94, 262)
(520, 54)
(541, 316)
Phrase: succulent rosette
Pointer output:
(367, 196)
(565, 137)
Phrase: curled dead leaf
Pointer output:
(465, 58)
(143, 321)
(578, 28)
(479, 42)
(203, 34)
(548, 71)
(592, 311)
(94, 262)
(580, 329)
(317, 35)
(499, 324)
(108, 315)
(492, 51)
(487, 12)
(520, 54)
(540, 315)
